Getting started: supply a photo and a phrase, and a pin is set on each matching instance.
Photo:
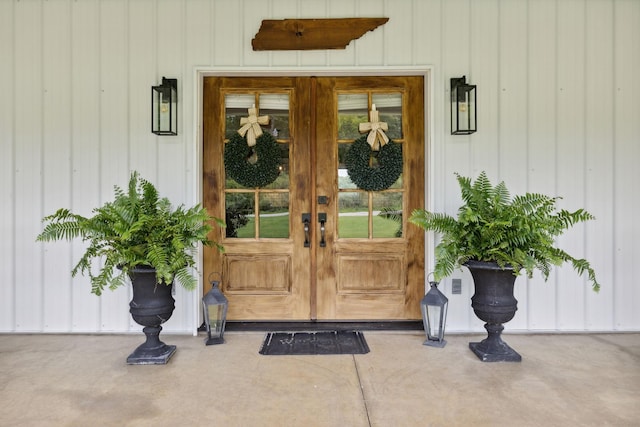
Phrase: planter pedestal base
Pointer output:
(153, 351)
(493, 349)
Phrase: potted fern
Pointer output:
(138, 236)
(497, 238)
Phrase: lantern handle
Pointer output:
(432, 275)
(212, 278)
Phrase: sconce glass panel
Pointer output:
(164, 107)
(463, 107)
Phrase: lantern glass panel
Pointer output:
(463, 107)
(215, 319)
(164, 108)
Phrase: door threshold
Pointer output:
(293, 326)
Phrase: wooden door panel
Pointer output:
(370, 278)
(263, 278)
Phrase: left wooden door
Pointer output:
(265, 267)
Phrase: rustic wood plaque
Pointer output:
(309, 34)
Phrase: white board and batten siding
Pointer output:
(557, 105)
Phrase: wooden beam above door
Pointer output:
(309, 34)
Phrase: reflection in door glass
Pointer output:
(387, 208)
(276, 106)
(274, 215)
(239, 214)
(353, 109)
(353, 216)
(236, 107)
(389, 106)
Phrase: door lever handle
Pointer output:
(322, 218)
(306, 220)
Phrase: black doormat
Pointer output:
(326, 342)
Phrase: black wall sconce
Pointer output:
(463, 107)
(164, 107)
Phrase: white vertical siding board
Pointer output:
(398, 32)
(198, 47)
(427, 27)
(627, 174)
(253, 14)
(341, 9)
(7, 168)
(114, 129)
(600, 140)
(229, 37)
(370, 48)
(513, 126)
(571, 101)
(142, 75)
(542, 140)
(85, 140)
(485, 58)
(57, 155)
(456, 56)
(28, 162)
(171, 149)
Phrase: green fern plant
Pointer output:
(138, 228)
(493, 227)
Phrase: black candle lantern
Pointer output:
(463, 107)
(215, 305)
(164, 107)
(434, 316)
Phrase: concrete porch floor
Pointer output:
(83, 380)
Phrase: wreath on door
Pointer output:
(252, 157)
(373, 177)
(381, 173)
(255, 166)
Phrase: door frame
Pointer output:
(427, 72)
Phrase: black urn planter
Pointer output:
(151, 306)
(494, 303)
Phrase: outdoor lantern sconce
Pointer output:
(164, 107)
(463, 107)
(434, 316)
(215, 305)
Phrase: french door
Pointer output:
(311, 244)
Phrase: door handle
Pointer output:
(322, 219)
(306, 220)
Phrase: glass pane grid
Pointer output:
(365, 214)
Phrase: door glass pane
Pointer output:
(343, 177)
(387, 210)
(389, 106)
(352, 110)
(236, 107)
(274, 215)
(353, 216)
(239, 214)
(276, 106)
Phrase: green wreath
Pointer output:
(266, 168)
(375, 178)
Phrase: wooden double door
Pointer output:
(312, 245)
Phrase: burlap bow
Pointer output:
(251, 126)
(376, 138)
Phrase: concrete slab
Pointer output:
(81, 380)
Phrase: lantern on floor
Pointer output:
(215, 305)
(434, 315)
(164, 107)
(463, 107)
